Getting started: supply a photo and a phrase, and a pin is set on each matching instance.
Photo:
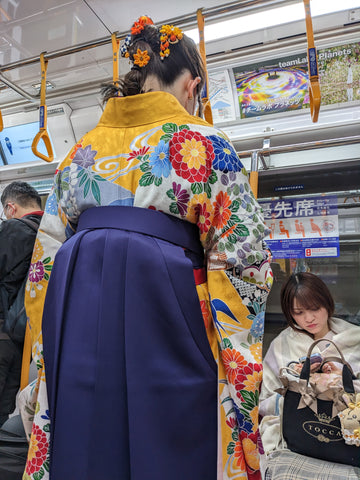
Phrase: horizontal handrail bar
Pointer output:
(331, 142)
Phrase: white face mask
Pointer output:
(6, 213)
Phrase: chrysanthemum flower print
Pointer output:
(191, 155)
(251, 453)
(239, 455)
(254, 415)
(226, 159)
(159, 160)
(222, 213)
(38, 450)
(204, 220)
(252, 382)
(180, 197)
(233, 362)
(200, 212)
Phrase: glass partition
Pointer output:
(341, 274)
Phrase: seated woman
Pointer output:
(308, 307)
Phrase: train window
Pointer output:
(341, 274)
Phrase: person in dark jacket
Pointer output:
(19, 201)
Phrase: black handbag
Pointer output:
(310, 424)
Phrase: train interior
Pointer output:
(263, 46)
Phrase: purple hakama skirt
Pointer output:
(131, 379)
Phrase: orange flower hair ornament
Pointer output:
(141, 58)
(138, 26)
(168, 35)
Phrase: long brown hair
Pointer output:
(310, 292)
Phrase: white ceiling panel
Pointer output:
(120, 15)
(28, 28)
(33, 30)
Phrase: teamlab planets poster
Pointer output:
(339, 71)
(271, 87)
(281, 85)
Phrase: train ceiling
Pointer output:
(29, 27)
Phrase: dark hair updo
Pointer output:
(183, 55)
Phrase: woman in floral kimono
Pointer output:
(152, 348)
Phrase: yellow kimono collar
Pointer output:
(143, 109)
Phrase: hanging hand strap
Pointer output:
(314, 86)
(43, 134)
(205, 97)
(115, 46)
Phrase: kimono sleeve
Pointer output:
(269, 399)
(232, 232)
(50, 237)
(231, 220)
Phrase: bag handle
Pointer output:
(347, 373)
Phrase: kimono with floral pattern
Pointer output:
(147, 151)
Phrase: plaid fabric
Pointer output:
(286, 465)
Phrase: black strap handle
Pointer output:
(347, 373)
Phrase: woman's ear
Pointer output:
(191, 95)
(191, 87)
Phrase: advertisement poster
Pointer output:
(275, 86)
(281, 84)
(221, 97)
(339, 73)
(16, 141)
(302, 227)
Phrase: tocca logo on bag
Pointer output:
(322, 430)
